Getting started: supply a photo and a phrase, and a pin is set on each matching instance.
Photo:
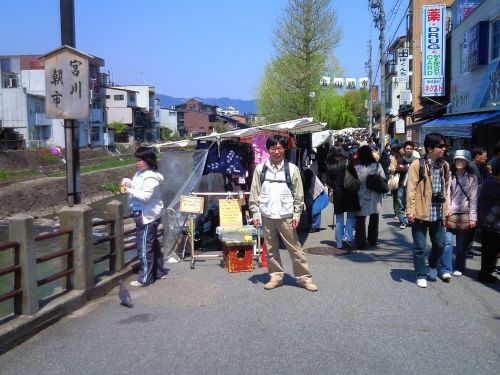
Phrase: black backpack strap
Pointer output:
(263, 174)
(288, 178)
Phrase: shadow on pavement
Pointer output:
(399, 275)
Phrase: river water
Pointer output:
(47, 246)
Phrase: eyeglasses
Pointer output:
(276, 149)
(440, 146)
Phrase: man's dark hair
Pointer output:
(148, 154)
(275, 139)
(432, 140)
(409, 143)
(365, 155)
(477, 150)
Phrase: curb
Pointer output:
(23, 327)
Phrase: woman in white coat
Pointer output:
(370, 201)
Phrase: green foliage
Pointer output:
(118, 126)
(3, 176)
(220, 126)
(112, 187)
(341, 111)
(166, 134)
(304, 41)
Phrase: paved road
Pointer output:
(368, 317)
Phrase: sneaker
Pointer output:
(446, 277)
(395, 218)
(433, 274)
(422, 283)
(161, 277)
(308, 284)
(457, 273)
(402, 226)
(273, 283)
(136, 283)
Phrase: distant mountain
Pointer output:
(243, 106)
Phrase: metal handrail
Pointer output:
(69, 252)
(16, 269)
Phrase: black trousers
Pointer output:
(360, 227)
(489, 251)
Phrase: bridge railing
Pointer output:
(75, 250)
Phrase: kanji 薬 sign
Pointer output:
(67, 84)
(433, 50)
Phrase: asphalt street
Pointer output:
(368, 317)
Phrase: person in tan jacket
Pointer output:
(426, 206)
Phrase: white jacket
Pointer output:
(145, 187)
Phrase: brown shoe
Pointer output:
(309, 285)
(273, 283)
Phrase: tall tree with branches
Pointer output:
(304, 40)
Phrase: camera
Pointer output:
(438, 198)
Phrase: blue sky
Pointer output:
(204, 48)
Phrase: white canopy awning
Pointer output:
(303, 125)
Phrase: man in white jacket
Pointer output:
(277, 205)
(147, 208)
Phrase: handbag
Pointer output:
(351, 183)
(458, 221)
(393, 181)
(377, 183)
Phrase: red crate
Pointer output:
(238, 257)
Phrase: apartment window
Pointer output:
(132, 98)
(94, 134)
(108, 96)
(118, 97)
(38, 108)
(495, 39)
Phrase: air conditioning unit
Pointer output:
(405, 97)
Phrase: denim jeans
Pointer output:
(395, 201)
(339, 227)
(446, 262)
(419, 233)
(402, 205)
(316, 221)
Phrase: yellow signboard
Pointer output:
(191, 205)
(230, 213)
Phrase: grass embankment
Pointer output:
(6, 175)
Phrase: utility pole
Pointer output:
(71, 132)
(368, 66)
(377, 8)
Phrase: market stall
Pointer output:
(224, 163)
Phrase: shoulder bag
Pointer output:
(377, 183)
(351, 183)
(459, 221)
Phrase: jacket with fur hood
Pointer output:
(145, 187)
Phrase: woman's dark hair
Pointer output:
(275, 139)
(365, 155)
(453, 169)
(336, 157)
(432, 140)
(148, 154)
(396, 149)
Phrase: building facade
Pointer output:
(194, 118)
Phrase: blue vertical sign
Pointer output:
(433, 50)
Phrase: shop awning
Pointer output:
(459, 125)
(303, 125)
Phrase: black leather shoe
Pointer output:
(487, 279)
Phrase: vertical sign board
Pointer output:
(403, 65)
(433, 50)
(67, 84)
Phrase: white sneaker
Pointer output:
(433, 274)
(446, 277)
(422, 283)
(457, 273)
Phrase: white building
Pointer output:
(168, 119)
